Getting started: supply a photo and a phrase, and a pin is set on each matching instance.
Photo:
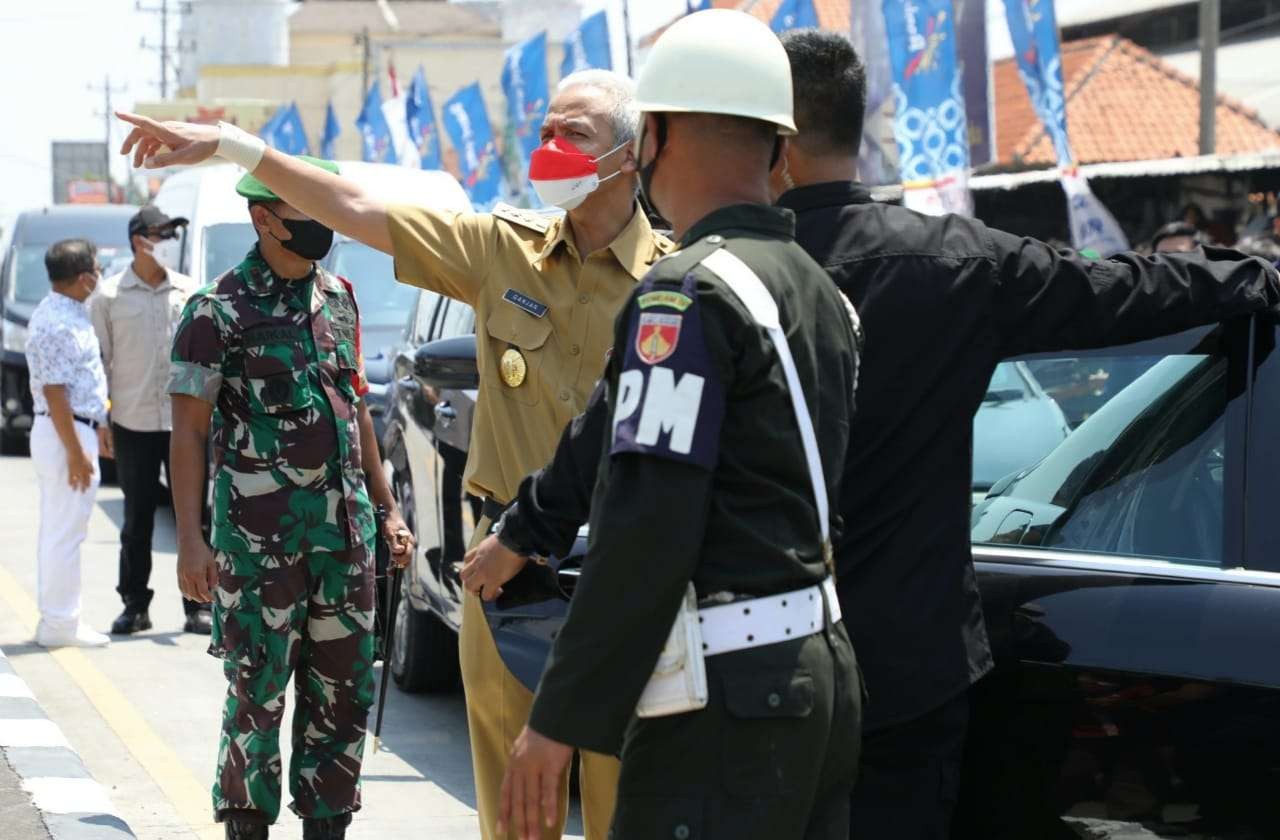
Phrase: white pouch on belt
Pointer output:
(679, 681)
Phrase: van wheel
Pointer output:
(424, 652)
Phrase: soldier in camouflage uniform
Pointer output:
(268, 358)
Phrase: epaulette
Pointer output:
(525, 218)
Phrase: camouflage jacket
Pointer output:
(280, 362)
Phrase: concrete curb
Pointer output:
(72, 805)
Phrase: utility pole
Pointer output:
(366, 59)
(108, 119)
(626, 34)
(165, 50)
(1209, 34)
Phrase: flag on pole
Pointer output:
(794, 14)
(930, 127)
(1092, 225)
(524, 80)
(375, 134)
(878, 155)
(284, 131)
(331, 131)
(588, 46)
(396, 112)
(421, 119)
(692, 6)
(1033, 28)
(467, 123)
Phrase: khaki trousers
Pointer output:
(497, 709)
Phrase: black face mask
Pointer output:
(646, 174)
(307, 238)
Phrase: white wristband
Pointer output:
(239, 146)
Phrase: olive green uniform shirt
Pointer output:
(534, 295)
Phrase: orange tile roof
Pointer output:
(1123, 103)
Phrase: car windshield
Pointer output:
(383, 301)
(29, 280)
(225, 246)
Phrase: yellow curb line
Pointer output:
(189, 798)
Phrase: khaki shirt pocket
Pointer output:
(276, 378)
(510, 329)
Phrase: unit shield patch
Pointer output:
(669, 401)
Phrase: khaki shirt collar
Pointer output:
(634, 246)
(131, 279)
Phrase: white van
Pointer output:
(220, 233)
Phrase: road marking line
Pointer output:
(189, 798)
(11, 685)
(69, 796)
(31, 733)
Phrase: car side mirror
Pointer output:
(448, 363)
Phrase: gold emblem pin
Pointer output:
(513, 368)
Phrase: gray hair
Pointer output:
(620, 96)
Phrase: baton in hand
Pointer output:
(393, 603)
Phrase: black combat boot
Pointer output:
(332, 828)
(245, 830)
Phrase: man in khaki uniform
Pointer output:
(545, 293)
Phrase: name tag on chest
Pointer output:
(525, 302)
(273, 334)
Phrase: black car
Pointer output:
(24, 283)
(1130, 579)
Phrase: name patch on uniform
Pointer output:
(672, 300)
(259, 336)
(523, 301)
(669, 401)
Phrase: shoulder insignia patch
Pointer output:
(657, 336)
(672, 300)
(524, 218)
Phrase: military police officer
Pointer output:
(545, 291)
(269, 354)
(731, 391)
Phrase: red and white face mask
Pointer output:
(563, 176)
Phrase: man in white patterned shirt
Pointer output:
(69, 390)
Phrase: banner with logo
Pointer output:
(331, 131)
(587, 47)
(375, 133)
(975, 78)
(1093, 228)
(421, 119)
(524, 81)
(467, 123)
(285, 132)
(794, 14)
(1034, 30)
(878, 156)
(929, 122)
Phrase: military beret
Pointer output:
(254, 190)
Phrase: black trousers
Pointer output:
(139, 458)
(909, 778)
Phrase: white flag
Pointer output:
(397, 119)
(1093, 228)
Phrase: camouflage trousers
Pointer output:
(310, 616)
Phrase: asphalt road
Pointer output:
(144, 712)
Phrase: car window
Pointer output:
(225, 246)
(457, 319)
(428, 303)
(383, 300)
(1141, 468)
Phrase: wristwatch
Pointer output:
(500, 532)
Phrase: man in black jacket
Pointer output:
(942, 300)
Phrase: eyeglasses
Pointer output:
(162, 235)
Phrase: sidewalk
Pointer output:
(45, 791)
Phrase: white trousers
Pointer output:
(64, 522)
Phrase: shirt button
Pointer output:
(564, 396)
(774, 700)
(584, 298)
(682, 832)
(574, 350)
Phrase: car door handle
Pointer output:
(445, 415)
(408, 384)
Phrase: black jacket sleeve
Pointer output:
(553, 503)
(1050, 300)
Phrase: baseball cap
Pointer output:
(251, 188)
(150, 217)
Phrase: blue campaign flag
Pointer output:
(524, 80)
(929, 125)
(331, 131)
(420, 116)
(284, 131)
(1034, 29)
(696, 6)
(587, 47)
(794, 14)
(375, 134)
(467, 123)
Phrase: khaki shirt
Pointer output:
(135, 325)
(534, 295)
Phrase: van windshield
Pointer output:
(29, 280)
(225, 246)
